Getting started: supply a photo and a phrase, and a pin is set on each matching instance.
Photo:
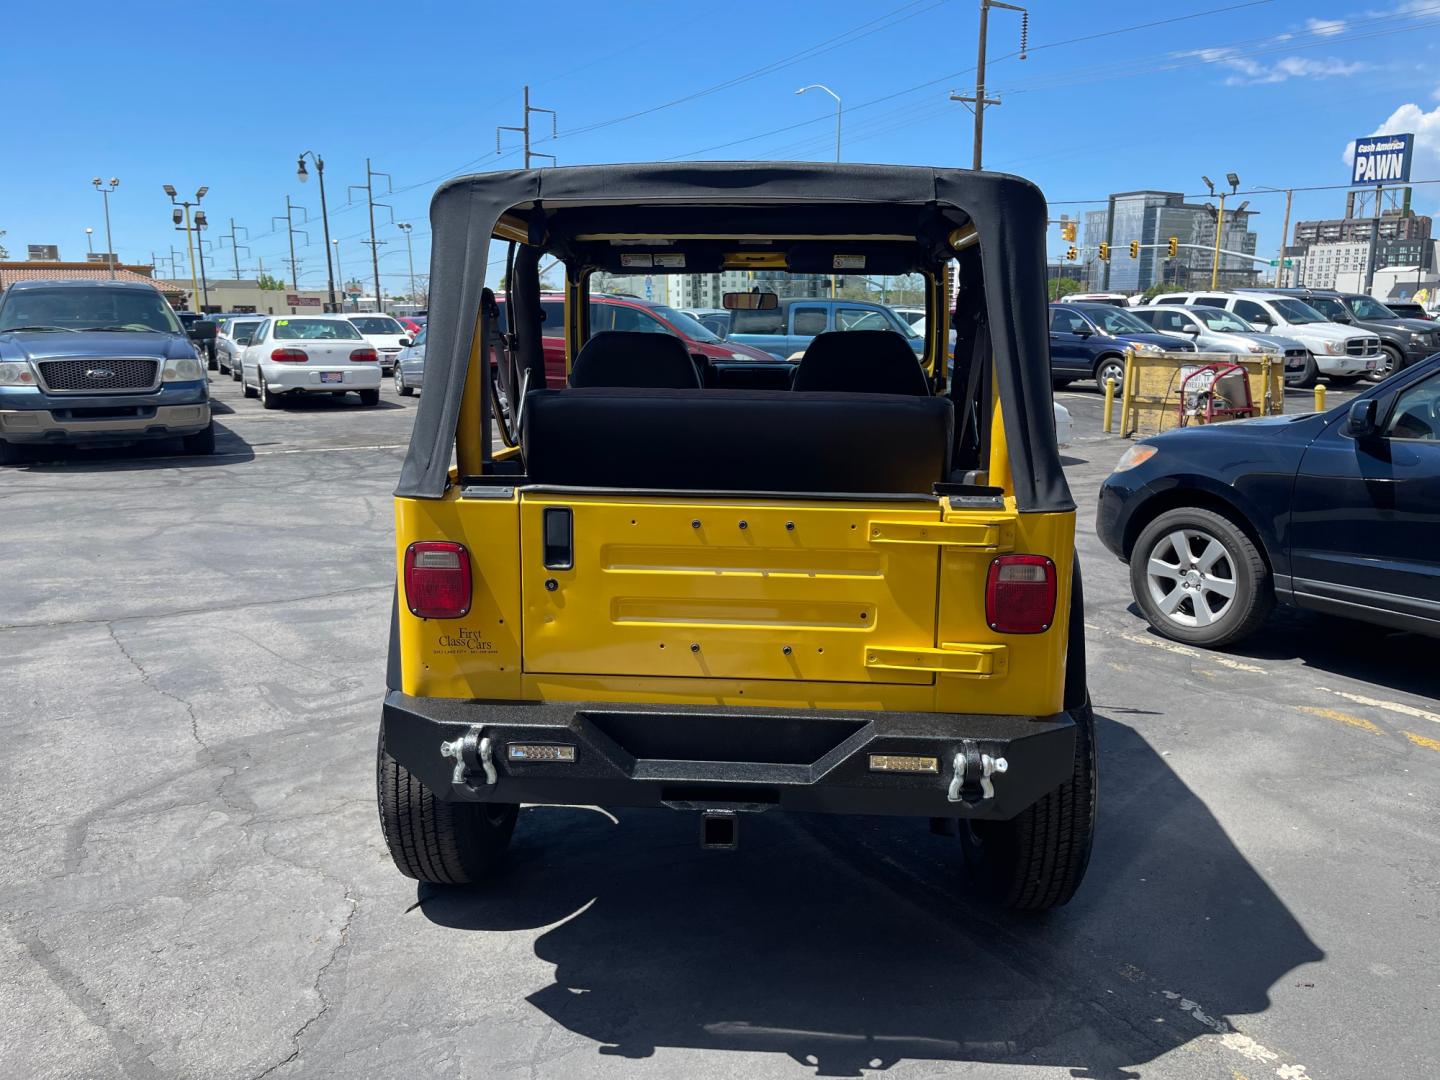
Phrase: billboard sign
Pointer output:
(295, 300)
(1381, 158)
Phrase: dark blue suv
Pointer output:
(97, 362)
(1336, 511)
(1088, 341)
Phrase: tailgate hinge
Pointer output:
(979, 535)
(949, 659)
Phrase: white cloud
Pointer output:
(1426, 127)
(1251, 72)
(1325, 27)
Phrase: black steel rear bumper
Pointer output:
(724, 757)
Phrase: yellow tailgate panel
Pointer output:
(673, 588)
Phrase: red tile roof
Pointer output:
(30, 271)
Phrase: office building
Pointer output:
(1151, 218)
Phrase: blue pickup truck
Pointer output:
(791, 325)
(97, 363)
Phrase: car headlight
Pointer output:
(1334, 347)
(181, 369)
(1147, 347)
(1136, 455)
(16, 373)
(1419, 339)
(1254, 348)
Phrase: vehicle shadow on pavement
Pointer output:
(332, 403)
(230, 448)
(850, 944)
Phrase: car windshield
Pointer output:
(315, 330)
(86, 308)
(686, 324)
(1330, 308)
(1115, 321)
(1222, 322)
(1297, 311)
(378, 324)
(1366, 308)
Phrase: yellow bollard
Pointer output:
(1319, 397)
(1109, 404)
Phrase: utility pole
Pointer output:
(369, 188)
(1284, 239)
(979, 101)
(234, 245)
(524, 129)
(290, 229)
(1374, 242)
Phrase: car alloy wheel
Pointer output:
(1191, 578)
(1390, 362)
(1110, 369)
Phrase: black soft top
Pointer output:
(901, 218)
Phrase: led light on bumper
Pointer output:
(904, 763)
(539, 752)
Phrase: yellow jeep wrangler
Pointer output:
(698, 580)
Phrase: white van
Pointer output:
(1342, 353)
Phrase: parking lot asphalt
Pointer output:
(194, 883)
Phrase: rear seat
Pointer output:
(737, 440)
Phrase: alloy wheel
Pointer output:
(1191, 578)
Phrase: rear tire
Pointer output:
(1232, 584)
(444, 843)
(268, 399)
(1037, 859)
(400, 387)
(369, 397)
(201, 442)
(235, 372)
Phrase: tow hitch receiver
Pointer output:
(719, 830)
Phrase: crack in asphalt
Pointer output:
(146, 678)
(181, 612)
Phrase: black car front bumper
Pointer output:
(700, 757)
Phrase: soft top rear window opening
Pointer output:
(553, 207)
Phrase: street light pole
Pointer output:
(105, 194)
(839, 112)
(1234, 181)
(409, 255)
(176, 217)
(339, 270)
(89, 241)
(324, 215)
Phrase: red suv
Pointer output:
(632, 313)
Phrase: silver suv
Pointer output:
(1218, 331)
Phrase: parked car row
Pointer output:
(273, 356)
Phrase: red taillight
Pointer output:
(437, 580)
(289, 356)
(1020, 594)
(362, 355)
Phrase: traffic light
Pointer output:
(1071, 253)
(1104, 252)
(1134, 249)
(1067, 230)
(1174, 248)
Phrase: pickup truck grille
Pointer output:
(108, 375)
(1367, 346)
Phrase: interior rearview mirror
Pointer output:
(750, 301)
(1361, 422)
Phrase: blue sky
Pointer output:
(1273, 91)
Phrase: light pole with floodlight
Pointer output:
(100, 186)
(324, 215)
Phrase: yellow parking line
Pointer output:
(1421, 740)
(1344, 718)
(1388, 706)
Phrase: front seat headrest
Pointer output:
(861, 362)
(635, 358)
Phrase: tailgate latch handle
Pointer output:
(559, 538)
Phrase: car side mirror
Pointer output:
(203, 330)
(1083, 333)
(1190, 328)
(1344, 319)
(405, 342)
(1361, 423)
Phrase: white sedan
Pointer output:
(309, 354)
(385, 334)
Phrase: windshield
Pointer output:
(1330, 308)
(315, 330)
(1115, 321)
(1296, 311)
(87, 308)
(1223, 322)
(1366, 308)
(378, 324)
(686, 324)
